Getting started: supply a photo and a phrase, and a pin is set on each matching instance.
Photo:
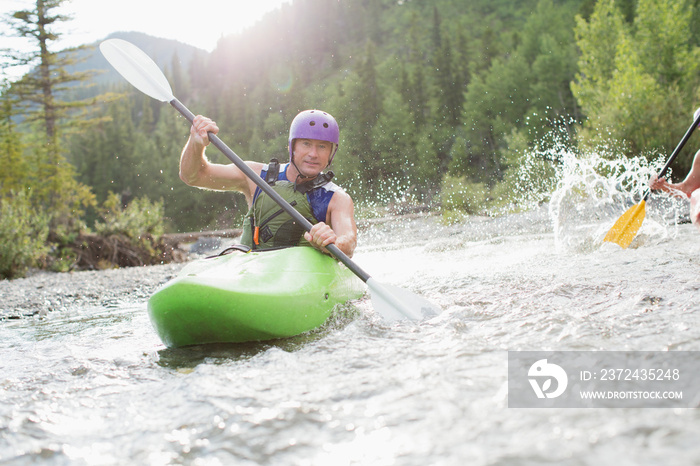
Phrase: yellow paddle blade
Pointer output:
(626, 227)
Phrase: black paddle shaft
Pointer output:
(267, 189)
(678, 149)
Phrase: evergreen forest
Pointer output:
(438, 103)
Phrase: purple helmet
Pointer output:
(314, 124)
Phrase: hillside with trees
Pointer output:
(438, 102)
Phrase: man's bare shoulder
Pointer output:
(255, 166)
(341, 205)
(342, 197)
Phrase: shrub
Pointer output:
(460, 197)
(23, 235)
(140, 219)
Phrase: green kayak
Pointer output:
(251, 296)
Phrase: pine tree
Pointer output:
(418, 100)
(449, 91)
(40, 93)
(437, 33)
(368, 105)
(14, 175)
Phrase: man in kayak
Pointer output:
(313, 142)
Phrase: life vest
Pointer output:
(267, 225)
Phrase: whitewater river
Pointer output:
(86, 380)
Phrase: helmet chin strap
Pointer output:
(300, 174)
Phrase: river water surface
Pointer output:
(87, 381)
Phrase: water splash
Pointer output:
(594, 188)
(577, 194)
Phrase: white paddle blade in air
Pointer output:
(394, 303)
(137, 68)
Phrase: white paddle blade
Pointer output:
(137, 68)
(394, 303)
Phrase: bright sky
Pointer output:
(199, 23)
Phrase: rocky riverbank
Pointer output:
(45, 292)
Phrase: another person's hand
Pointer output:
(676, 190)
(658, 183)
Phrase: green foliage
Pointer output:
(527, 88)
(418, 89)
(139, 220)
(444, 95)
(43, 90)
(637, 84)
(13, 176)
(23, 233)
(57, 191)
(46, 114)
(531, 173)
(598, 40)
(460, 197)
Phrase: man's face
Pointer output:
(312, 155)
